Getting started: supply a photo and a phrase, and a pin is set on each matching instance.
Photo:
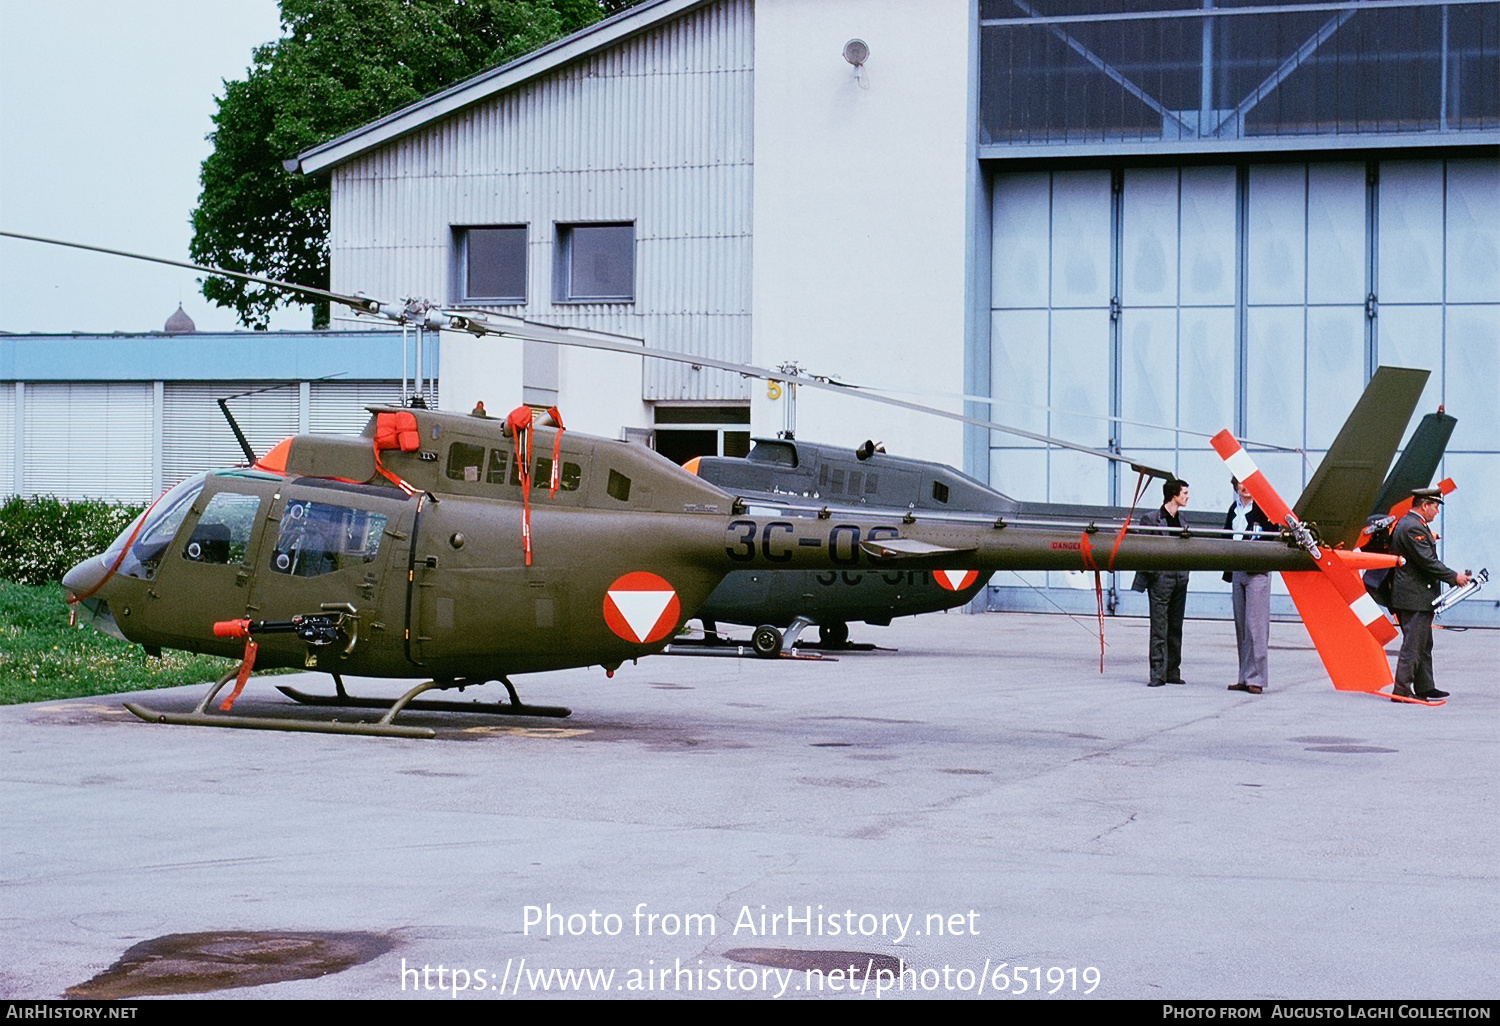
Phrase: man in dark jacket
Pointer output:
(1252, 594)
(1414, 589)
(1167, 590)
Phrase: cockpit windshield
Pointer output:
(152, 537)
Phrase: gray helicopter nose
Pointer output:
(86, 577)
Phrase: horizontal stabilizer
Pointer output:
(910, 548)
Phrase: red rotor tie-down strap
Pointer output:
(556, 416)
(1090, 564)
(246, 665)
(519, 424)
(1086, 548)
(396, 431)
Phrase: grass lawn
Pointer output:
(42, 658)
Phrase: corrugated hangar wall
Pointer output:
(1253, 296)
(656, 131)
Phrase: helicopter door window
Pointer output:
(496, 473)
(317, 538)
(223, 532)
(160, 527)
(464, 461)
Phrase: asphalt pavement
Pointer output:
(976, 813)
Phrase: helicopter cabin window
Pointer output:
(568, 479)
(619, 486)
(317, 538)
(223, 532)
(939, 491)
(492, 264)
(595, 263)
(496, 473)
(464, 461)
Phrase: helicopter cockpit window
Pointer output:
(161, 523)
(317, 538)
(464, 461)
(223, 532)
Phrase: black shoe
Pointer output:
(1239, 687)
(1155, 683)
(1176, 682)
(1428, 696)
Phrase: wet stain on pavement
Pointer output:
(198, 963)
(854, 963)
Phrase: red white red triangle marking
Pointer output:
(641, 607)
(955, 580)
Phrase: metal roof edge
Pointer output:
(489, 83)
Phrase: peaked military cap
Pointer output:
(1421, 495)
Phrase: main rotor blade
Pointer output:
(531, 330)
(516, 327)
(357, 302)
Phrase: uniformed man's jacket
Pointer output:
(1416, 581)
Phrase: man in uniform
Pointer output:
(1413, 591)
(1167, 590)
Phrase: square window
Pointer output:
(596, 263)
(492, 264)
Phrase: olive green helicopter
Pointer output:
(462, 549)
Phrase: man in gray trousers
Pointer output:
(1252, 594)
(1167, 590)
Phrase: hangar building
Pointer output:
(1123, 222)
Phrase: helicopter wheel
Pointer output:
(766, 641)
(833, 635)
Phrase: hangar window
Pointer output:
(595, 263)
(491, 264)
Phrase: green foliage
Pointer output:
(43, 538)
(340, 64)
(42, 658)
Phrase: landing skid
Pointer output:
(384, 727)
(515, 707)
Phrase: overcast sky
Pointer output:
(104, 106)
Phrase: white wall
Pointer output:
(860, 211)
(598, 392)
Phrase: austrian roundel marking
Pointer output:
(641, 607)
(955, 580)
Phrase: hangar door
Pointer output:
(1181, 300)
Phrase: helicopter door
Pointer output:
(475, 606)
(329, 547)
(205, 571)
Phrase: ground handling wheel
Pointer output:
(766, 641)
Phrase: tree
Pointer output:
(340, 64)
